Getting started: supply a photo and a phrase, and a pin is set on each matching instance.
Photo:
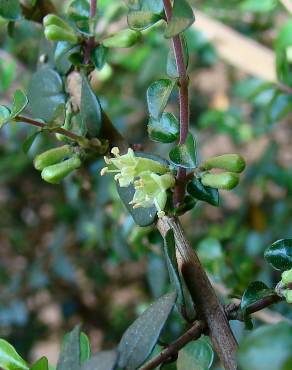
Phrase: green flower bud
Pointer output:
(228, 162)
(56, 33)
(55, 173)
(52, 19)
(52, 156)
(225, 180)
(122, 39)
(288, 295)
(287, 277)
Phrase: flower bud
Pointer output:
(122, 39)
(225, 180)
(287, 277)
(55, 173)
(52, 19)
(56, 33)
(52, 156)
(228, 162)
(288, 295)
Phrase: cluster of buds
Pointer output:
(286, 285)
(56, 29)
(150, 178)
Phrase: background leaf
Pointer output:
(70, 353)
(140, 338)
(29, 141)
(279, 254)
(10, 9)
(4, 115)
(41, 364)
(104, 360)
(197, 355)
(182, 18)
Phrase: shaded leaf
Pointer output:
(19, 103)
(268, 347)
(90, 109)
(279, 254)
(29, 141)
(140, 20)
(165, 129)
(70, 353)
(196, 355)
(41, 364)
(140, 338)
(184, 155)
(182, 18)
(63, 52)
(46, 94)
(171, 67)
(98, 56)
(205, 193)
(79, 10)
(10, 9)
(9, 358)
(104, 360)
(258, 6)
(4, 115)
(158, 94)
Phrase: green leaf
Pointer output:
(205, 193)
(280, 106)
(154, 6)
(254, 292)
(165, 129)
(98, 56)
(4, 115)
(258, 6)
(158, 94)
(140, 338)
(46, 94)
(29, 141)
(182, 18)
(196, 355)
(90, 109)
(9, 358)
(122, 39)
(70, 353)
(279, 254)
(62, 55)
(184, 155)
(104, 360)
(20, 101)
(268, 348)
(85, 350)
(171, 66)
(41, 364)
(79, 10)
(283, 64)
(140, 20)
(10, 9)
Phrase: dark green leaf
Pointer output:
(79, 10)
(4, 115)
(98, 56)
(19, 103)
(279, 254)
(187, 204)
(158, 94)
(9, 358)
(140, 20)
(171, 67)
(254, 292)
(70, 353)
(165, 129)
(104, 360)
(63, 52)
(29, 141)
(140, 338)
(41, 364)
(197, 190)
(46, 94)
(196, 355)
(10, 9)
(268, 348)
(184, 155)
(182, 18)
(90, 109)
(157, 276)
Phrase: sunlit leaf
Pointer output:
(9, 358)
(182, 18)
(279, 254)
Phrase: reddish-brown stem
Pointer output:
(183, 103)
(58, 130)
(90, 44)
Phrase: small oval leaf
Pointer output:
(279, 254)
(184, 155)
(165, 129)
(182, 18)
(205, 193)
(158, 94)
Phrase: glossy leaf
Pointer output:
(184, 155)
(29, 141)
(62, 55)
(279, 254)
(268, 347)
(9, 358)
(197, 355)
(283, 65)
(254, 292)
(41, 364)
(85, 350)
(46, 94)
(10, 9)
(140, 20)
(171, 67)
(165, 129)
(20, 101)
(140, 338)
(182, 18)
(4, 115)
(90, 109)
(104, 360)
(205, 193)
(158, 94)
(70, 353)
(79, 10)
(98, 56)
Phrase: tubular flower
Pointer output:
(127, 167)
(152, 189)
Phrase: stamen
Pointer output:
(107, 160)
(160, 214)
(115, 151)
(103, 171)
